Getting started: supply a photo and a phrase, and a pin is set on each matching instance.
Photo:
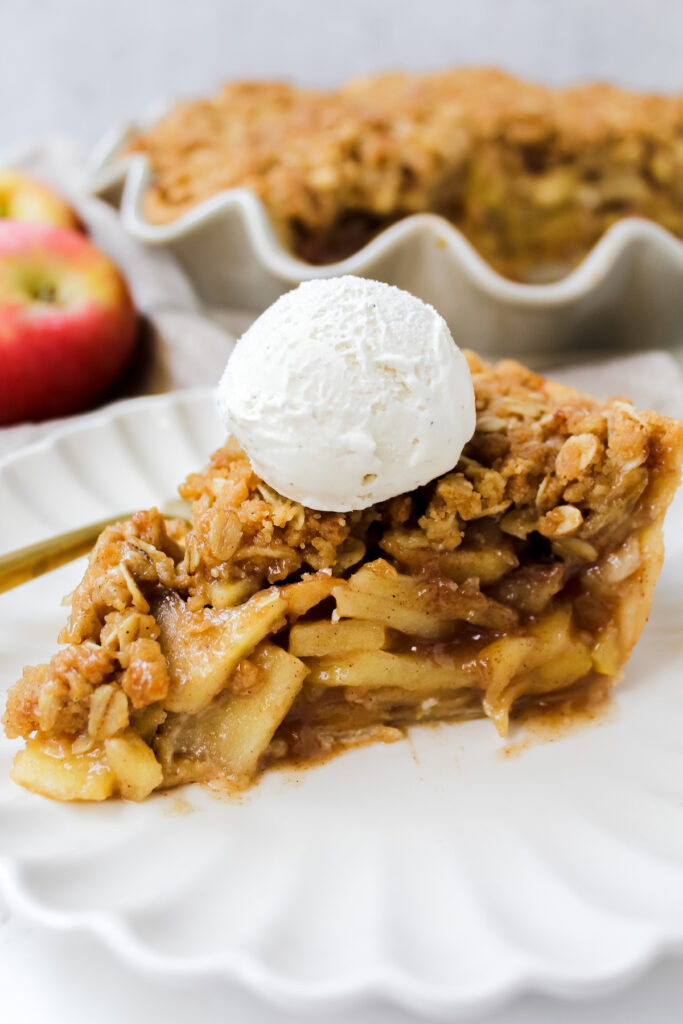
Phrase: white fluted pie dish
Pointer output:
(627, 292)
(442, 874)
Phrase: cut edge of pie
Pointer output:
(265, 631)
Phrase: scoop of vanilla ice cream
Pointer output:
(346, 392)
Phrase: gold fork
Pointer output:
(24, 564)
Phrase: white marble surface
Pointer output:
(81, 65)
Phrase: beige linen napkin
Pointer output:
(652, 380)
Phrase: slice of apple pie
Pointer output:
(266, 630)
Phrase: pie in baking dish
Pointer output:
(532, 176)
(265, 631)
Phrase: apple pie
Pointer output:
(532, 176)
(264, 631)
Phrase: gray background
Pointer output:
(82, 65)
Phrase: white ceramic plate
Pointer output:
(436, 873)
(628, 292)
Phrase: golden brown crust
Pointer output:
(532, 176)
(55, 698)
(145, 678)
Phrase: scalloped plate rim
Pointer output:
(354, 990)
(106, 414)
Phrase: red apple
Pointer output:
(22, 198)
(67, 322)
